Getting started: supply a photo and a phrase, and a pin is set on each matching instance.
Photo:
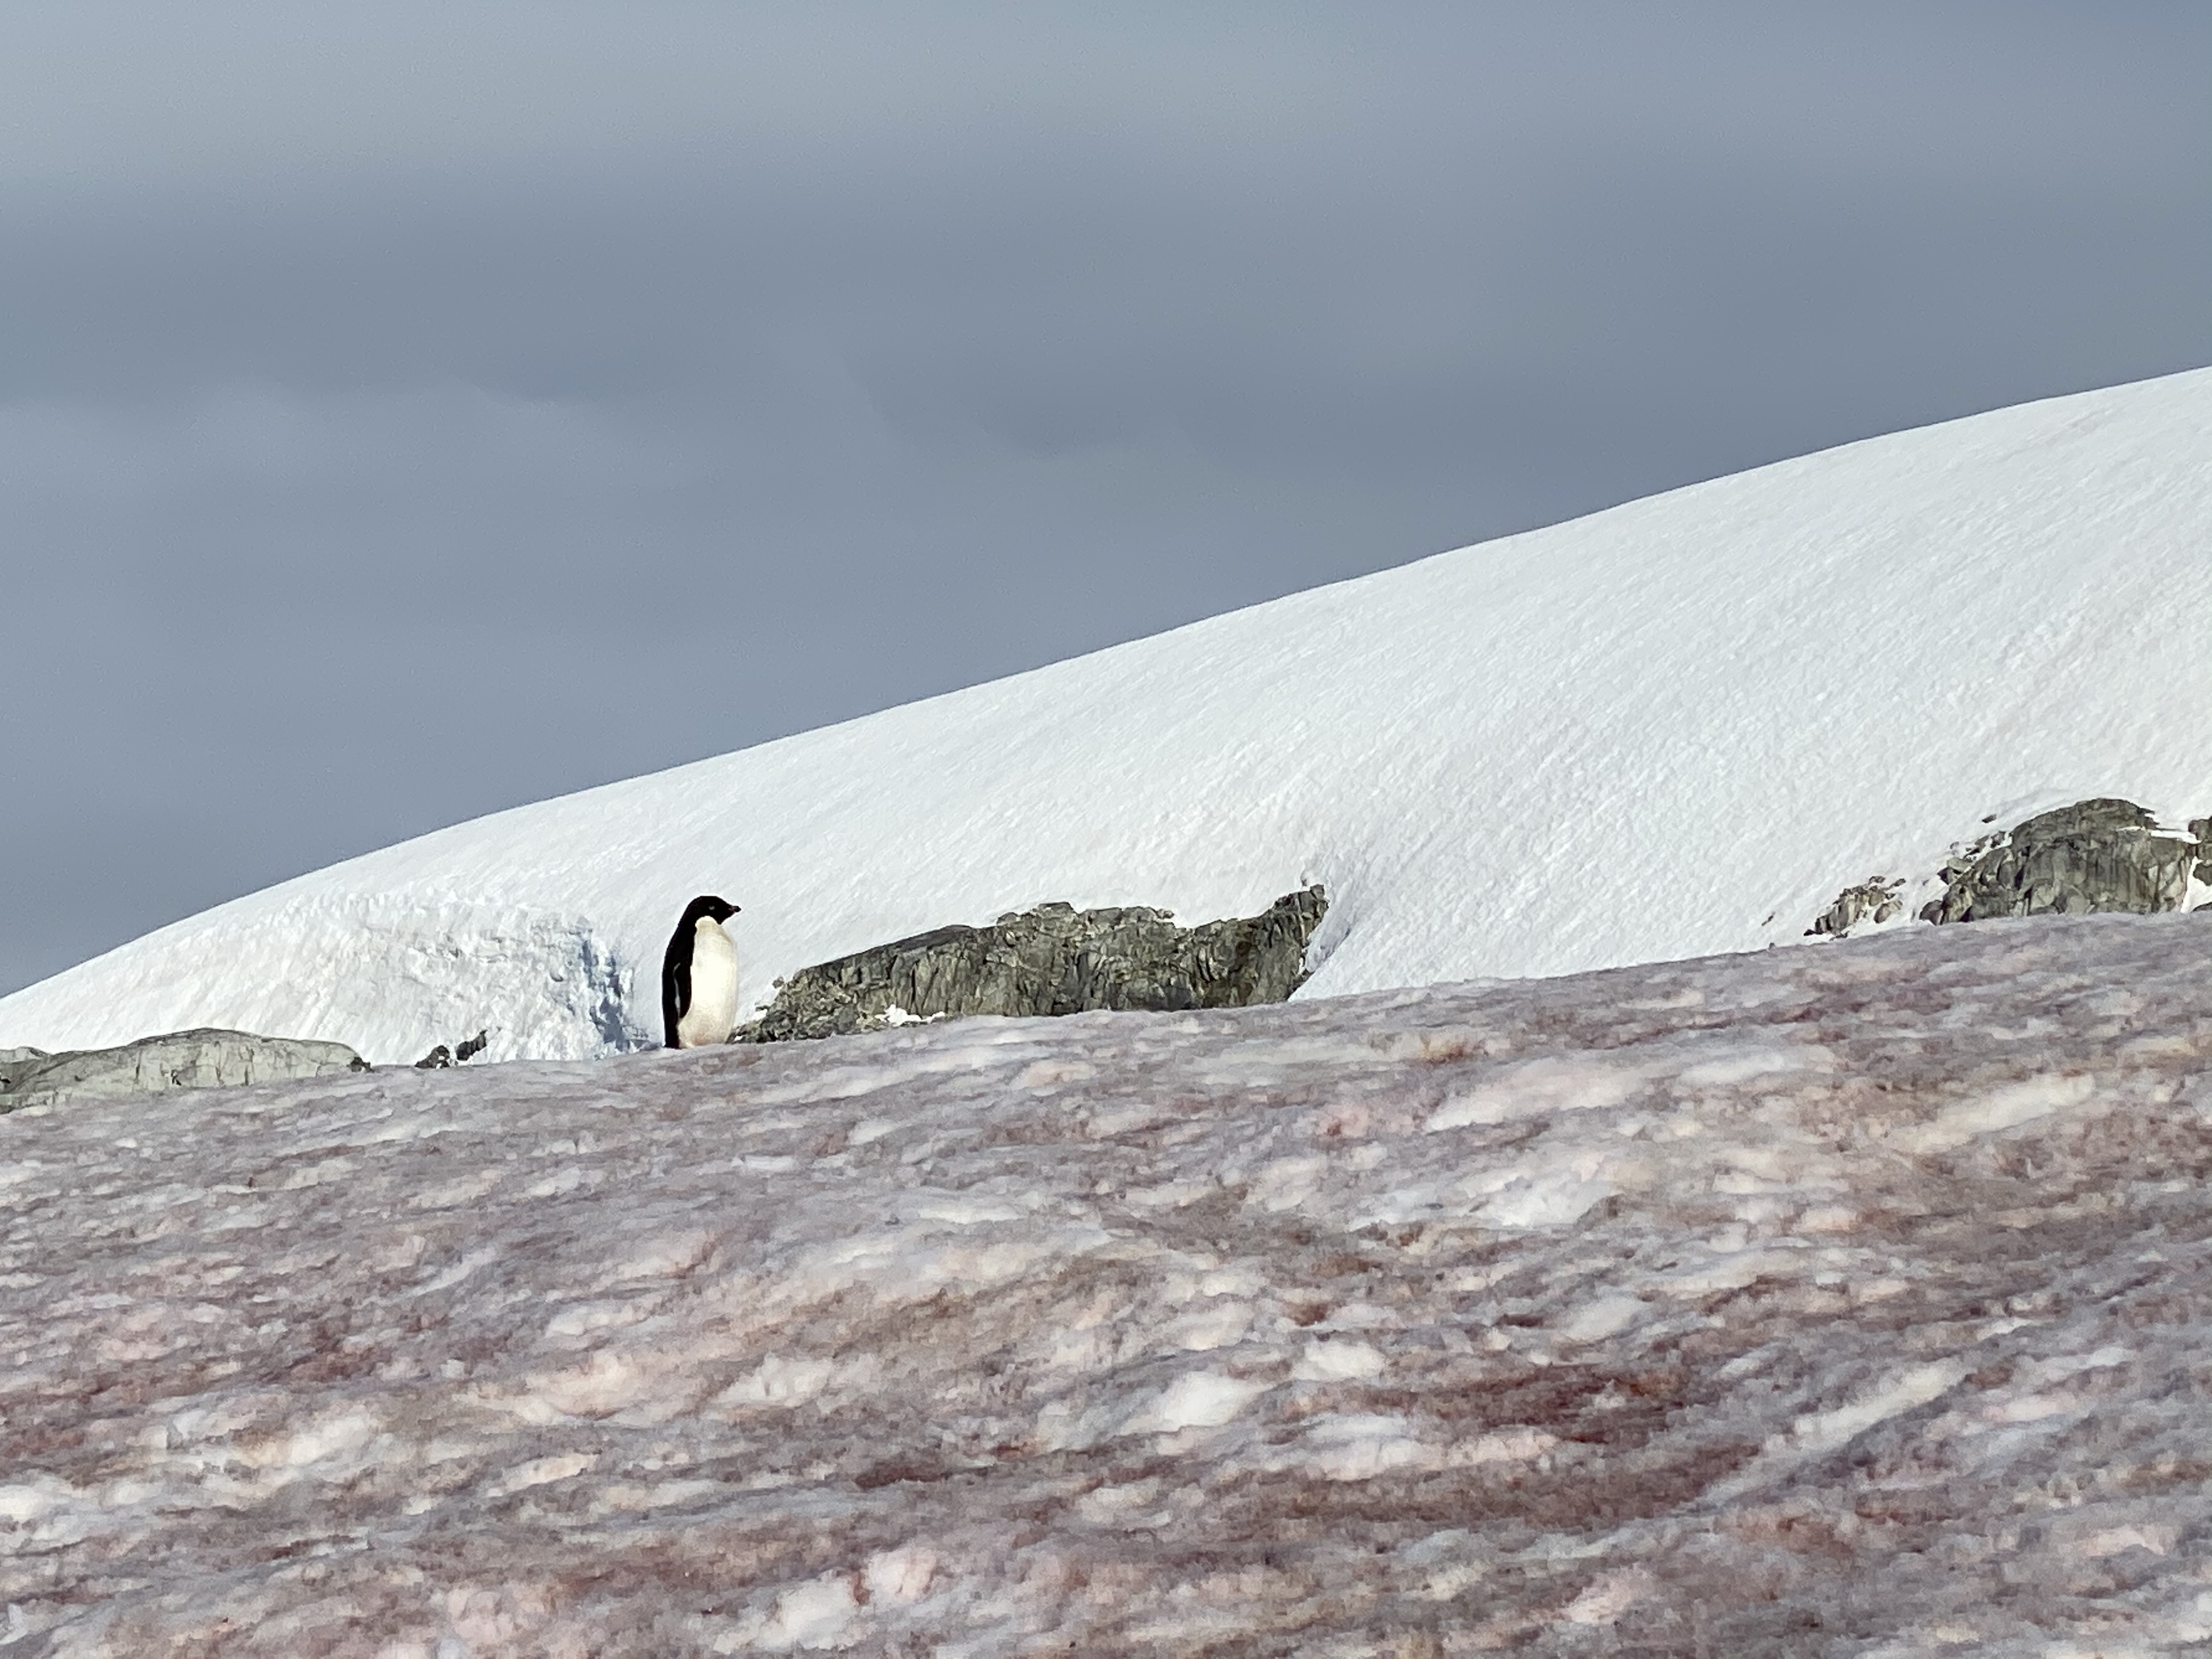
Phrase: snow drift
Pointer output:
(1672, 728)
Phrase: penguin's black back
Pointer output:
(676, 965)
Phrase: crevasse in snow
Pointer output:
(1671, 728)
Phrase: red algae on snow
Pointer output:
(1837, 1301)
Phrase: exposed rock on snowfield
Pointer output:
(1837, 1302)
(14, 1063)
(2092, 856)
(1055, 960)
(156, 1064)
(460, 1055)
(1876, 900)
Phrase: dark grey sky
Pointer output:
(411, 410)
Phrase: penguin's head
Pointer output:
(707, 908)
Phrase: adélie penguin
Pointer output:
(699, 976)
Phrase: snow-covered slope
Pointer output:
(1672, 728)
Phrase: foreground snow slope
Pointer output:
(1675, 727)
(1826, 1302)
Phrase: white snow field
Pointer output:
(1675, 727)
(1830, 1302)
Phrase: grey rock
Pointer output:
(201, 1059)
(1875, 899)
(18, 1062)
(2095, 855)
(463, 1052)
(1054, 959)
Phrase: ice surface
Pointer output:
(1890, 1332)
(1676, 727)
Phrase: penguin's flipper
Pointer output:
(675, 987)
(677, 1001)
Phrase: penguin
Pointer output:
(699, 976)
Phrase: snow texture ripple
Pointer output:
(1674, 728)
(1850, 1301)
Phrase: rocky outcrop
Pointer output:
(2095, 855)
(1877, 899)
(1054, 959)
(460, 1055)
(19, 1062)
(156, 1064)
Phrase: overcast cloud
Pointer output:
(408, 411)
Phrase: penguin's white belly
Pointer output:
(713, 1014)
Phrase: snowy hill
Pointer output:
(1674, 728)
